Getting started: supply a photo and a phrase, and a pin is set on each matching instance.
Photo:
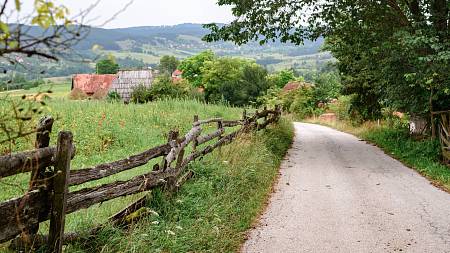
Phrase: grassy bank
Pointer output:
(421, 155)
(211, 212)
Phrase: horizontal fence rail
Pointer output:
(48, 197)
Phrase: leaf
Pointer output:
(18, 5)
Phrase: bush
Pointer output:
(164, 88)
(141, 94)
(113, 96)
(341, 107)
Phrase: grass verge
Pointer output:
(422, 155)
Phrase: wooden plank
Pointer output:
(206, 138)
(225, 140)
(82, 176)
(446, 154)
(90, 196)
(444, 140)
(26, 161)
(118, 218)
(60, 191)
(232, 123)
(207, 121)
(21, 212)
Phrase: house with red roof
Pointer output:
(92, 83)
(177, 75)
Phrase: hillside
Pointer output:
(140, 46)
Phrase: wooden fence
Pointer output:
(444, 134)
(48, 197)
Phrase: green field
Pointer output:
(214, 210)
(58, 90)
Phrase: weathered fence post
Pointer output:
(60, 190)
(219, 127)
(171, 139)
(43, 130)
(195, 141)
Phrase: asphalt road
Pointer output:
(339, 194)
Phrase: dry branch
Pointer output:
(232, 123)
(207, 121)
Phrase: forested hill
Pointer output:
(181, 37)
(137, 47)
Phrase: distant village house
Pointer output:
(177, 75)
(91, 84)
(123, 83)
(127, 80)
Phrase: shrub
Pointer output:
(341, 107)
(77, 94)
(163, 88)
(113, 96)
(141, 94)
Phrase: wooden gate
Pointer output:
(444, 136)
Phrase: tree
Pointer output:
(168, 64)
(386, 50)
(281, 78)
(192, 67)
(237, 81)
(107, 66)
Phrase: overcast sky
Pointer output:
(153, 12)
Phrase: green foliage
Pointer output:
(141, 94)
(232, 80)
(238, 81)
(327, 86)
(386, 51)
(192, 67)
(162, 88)
(113, 96)
(308, 99)
(342, 107)
(281, 78)
(107, 66)
(168, 64)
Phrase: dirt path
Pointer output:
(339, 194)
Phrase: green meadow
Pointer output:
(210, 213)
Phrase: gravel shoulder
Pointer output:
(339, 194)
